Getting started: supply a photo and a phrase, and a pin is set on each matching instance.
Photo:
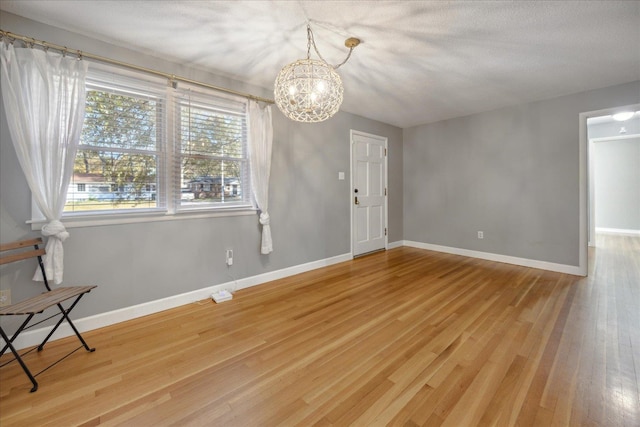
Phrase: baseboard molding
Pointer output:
(524, 262)
(394, 245)
(36, 336)
(618, 231)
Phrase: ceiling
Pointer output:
(420, 61)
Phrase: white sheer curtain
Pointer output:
(44, 100)
(260, 143)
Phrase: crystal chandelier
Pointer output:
(310, 90)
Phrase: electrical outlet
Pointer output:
(480, 235)
(5, 297)
(229, 257)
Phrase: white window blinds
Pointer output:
(212, 166)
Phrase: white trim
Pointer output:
(583, 195)
(591, 200)
(394, 245)
(35, 336)
(525, 262)
(94, 220)
(618, 231)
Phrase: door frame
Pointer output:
(385, 140)
(585, 181)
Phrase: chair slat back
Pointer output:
(20, 244)
(6, 259)
(19, 250)
(24, 249)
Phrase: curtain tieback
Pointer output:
(53, 260)
(56, 230)
(265, 219)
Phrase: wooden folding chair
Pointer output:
(25, 249)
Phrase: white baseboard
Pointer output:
(35, 336)
(618, 231)
(525, 262)
(394, 245)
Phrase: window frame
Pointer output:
(200, 102)
(168, 190)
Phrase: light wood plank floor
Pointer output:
(404, 337)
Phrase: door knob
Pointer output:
(357, 202)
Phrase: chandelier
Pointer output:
(310, 90)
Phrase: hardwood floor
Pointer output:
(403, 337)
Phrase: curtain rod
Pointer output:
(30, 41)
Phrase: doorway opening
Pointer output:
(610, 178)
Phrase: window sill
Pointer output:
(99, 220)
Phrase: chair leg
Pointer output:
(65, 316)
(16, 333)
(19, 359)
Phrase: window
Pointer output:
(121, 146)
(147, 147)
(212, 151)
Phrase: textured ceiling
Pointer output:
(420, 61)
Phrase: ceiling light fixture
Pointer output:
(623, 116)
(310, 90)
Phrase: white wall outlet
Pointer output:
(480, 235)
(5, 297)
(229, 256)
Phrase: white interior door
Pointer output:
(368, 186)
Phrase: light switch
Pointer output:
(341, 176)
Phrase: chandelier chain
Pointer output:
(311, 41)
(309, 38)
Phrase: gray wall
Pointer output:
(512, 173)
(616, 167)
(137, 263)
(615, 170)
